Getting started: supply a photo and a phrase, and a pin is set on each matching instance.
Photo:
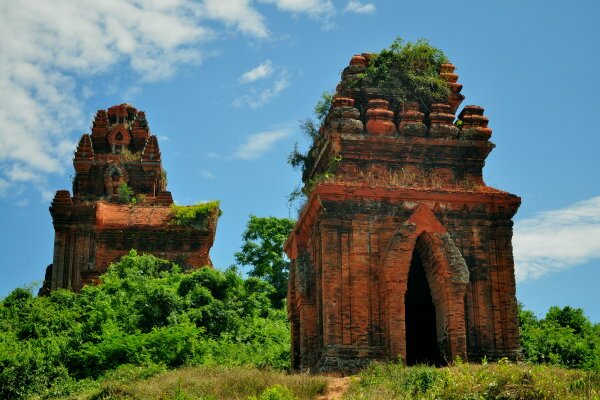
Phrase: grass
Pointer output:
(474, 381)
(199, 383)
(379, 381)
(416, 178)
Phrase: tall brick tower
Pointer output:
(401, 251)
(119, 203)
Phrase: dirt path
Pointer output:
(336, 388)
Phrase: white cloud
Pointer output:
(206, 174)
(47, 195)
(360, 8)
(558, 239)
(237, 13)
(257, 98)
(4, 187)
(52, 49)
(259, 143)
(86, 92)
(20, 173)
(22, 203)
(55, 45)
(131, 93)
(313, 8)
(263, 70)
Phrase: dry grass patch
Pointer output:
(208, 383)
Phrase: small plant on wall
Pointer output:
(125, 194)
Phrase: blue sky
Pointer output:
(224, 83)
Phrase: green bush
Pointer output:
(125, 194)
(502, 380)
(277, 392)
(565, 337)
(406, 71)
(196, 215)
(145, 312)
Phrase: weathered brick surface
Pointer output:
(93, 230)
(399, 194)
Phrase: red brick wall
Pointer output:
(360, 251)
(92, 235)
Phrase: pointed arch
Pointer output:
(114, 176)
(447, 275)
(447, 278)
(118, 138)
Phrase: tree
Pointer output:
(263, 250)
(565, 337)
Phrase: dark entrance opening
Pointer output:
(421, 337)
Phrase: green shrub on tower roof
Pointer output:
(406, 71)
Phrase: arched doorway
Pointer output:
(421, 336)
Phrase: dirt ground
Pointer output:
(336, 387)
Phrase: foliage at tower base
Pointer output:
(146, 311)
(564, 337)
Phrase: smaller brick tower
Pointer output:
(402, 250)
(101, 222)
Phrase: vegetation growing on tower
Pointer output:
(196, 215)
(405, 71)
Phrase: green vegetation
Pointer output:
(125, 194)
(146, 312)
(163, 179)
(470, 381)
(123, 338)
(130, 157)
(277, 392)
(406, 71)
(564, 337)
(227, 383)
(305, 161)
(196, 215)
(310, 130)
(263, 250)
(301, 193)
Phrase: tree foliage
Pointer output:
(262, 249)
(564, 337)
(145, 312)
(310, 130)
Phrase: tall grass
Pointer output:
(472, 381)
(200, 383)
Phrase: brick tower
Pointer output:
(401, 251)
(119, 203)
